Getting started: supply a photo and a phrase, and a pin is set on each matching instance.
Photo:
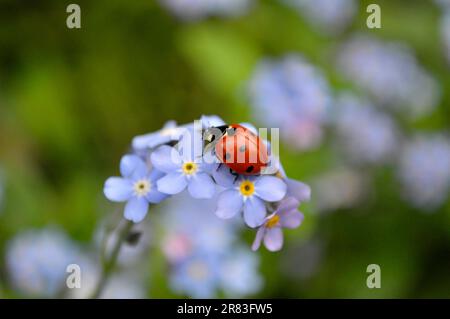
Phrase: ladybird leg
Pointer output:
(236, 175)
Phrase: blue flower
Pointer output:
(424, 170)
(136, 187)
(364, 133)
(391, 74)
(301, 94)
(248, 193)
(327, 16)
(182, 171)
(169, 132)
(239, 273)
(445, 31)
(286, 216)
(197, 276)
(36, 261)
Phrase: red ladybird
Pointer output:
(241, 150)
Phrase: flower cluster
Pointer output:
(164, 165)
(390, 73)
(37, 261)
(301, 95)
(203, 251)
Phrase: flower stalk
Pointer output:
(108, 263)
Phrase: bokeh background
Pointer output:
(367, 113)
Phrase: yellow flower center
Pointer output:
(247, 188)
(142, 187)
(273, 221)
(189, 168)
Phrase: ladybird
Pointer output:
(241, 150)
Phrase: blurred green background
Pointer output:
(72, 99)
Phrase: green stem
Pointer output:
(108, 264)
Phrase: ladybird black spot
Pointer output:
(249, 169)
(242, 148)
(231, 131)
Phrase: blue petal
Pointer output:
(155, 175)
(270, 188)
(223, 176)
(136, 209)
(190, 145)
(211, 121)
(299, 190)
(258, 238)
(151, 140)
(172, 183)
(156, 197)
(201, 185)
(166, 159)
(132, 166)
(273, 239)
(229, 204)
(254, 212)
(118, 189)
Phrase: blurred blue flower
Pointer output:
(444, 4)
(293, 95)
(195, 240)
(239, 273)
(445, 30)
(123, 284)
(197, 276)
(327, 16)
(36, 261)
(364, 133)
(183, 171)
(390, 73)
(196, 9)
(424, 170)
(189, 229)
(285, 216)
(136, 187)
(339, 188)
(249, 193)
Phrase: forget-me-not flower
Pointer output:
(197, 276)
(137, 187)
(250, 194)
(182, 171)
(286, 216)
(390, 73)
(292, 94)
(36, 261)
(424, 170)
